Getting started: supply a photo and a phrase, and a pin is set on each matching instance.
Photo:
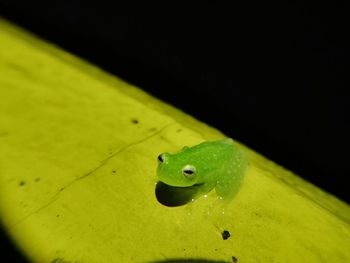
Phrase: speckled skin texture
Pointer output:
(216, 164)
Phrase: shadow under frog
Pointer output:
(174, 196)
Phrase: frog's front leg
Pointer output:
(204, 188)
(231, 176)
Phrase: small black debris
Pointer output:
(134, 121)
(225, 234)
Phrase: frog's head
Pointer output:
(194, 165)
(175, 171)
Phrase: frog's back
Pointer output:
(222, 164)
(221, 147)
(232, 174)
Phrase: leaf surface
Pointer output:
(78, 151)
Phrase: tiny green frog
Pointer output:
(208, 165)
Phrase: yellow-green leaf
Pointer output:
(78, 152)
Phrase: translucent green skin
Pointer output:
(218, 164)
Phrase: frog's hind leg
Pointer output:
(232, 176)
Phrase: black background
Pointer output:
(274, 77)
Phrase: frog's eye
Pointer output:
(161, 158)
(189, 171)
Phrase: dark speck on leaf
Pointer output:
(60, 260)
(57, 215)
(257, 214)
(61, 189)
(225, 234)
(21, 183)
(37, 179)
(234, 259)
(114, 171)
(135, 121)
